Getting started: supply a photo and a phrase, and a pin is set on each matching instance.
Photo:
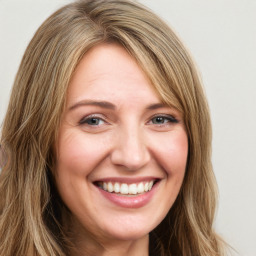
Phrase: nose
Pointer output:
(130, 149)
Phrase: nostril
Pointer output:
(132, 162)
(130, 152)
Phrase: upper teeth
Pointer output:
(126, 189)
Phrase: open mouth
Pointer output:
(125, 188)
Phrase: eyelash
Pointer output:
(86, 119)
(168, 118)
(165, 118)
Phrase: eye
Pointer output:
(92, 121)
(163, 119)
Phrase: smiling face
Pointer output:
(121, 153)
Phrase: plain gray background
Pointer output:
(221, 36)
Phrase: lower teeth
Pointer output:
(120, 194)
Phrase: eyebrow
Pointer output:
(102, 104)
(156, 106)
(108, 105)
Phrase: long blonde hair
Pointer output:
(30, 207)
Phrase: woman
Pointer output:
(107, 140)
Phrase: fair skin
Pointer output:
(121, 155)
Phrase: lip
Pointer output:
(130, 201)
(128, 180)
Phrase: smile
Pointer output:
(127, 192)
(126, 189)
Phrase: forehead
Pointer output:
(107, 70)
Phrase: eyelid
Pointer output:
(96, 116)
(170, 117)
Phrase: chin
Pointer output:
(128, 235)
(130, 229)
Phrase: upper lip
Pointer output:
(128, 180)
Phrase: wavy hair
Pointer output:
(30, 208)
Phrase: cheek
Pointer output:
(78, 154)
(172, 153)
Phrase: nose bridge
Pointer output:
(130, 149)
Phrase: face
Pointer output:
(121, 153)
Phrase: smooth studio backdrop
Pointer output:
(221, 35)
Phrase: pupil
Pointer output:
(94, 121)
(159, 119)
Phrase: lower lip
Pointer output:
(130, 201)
